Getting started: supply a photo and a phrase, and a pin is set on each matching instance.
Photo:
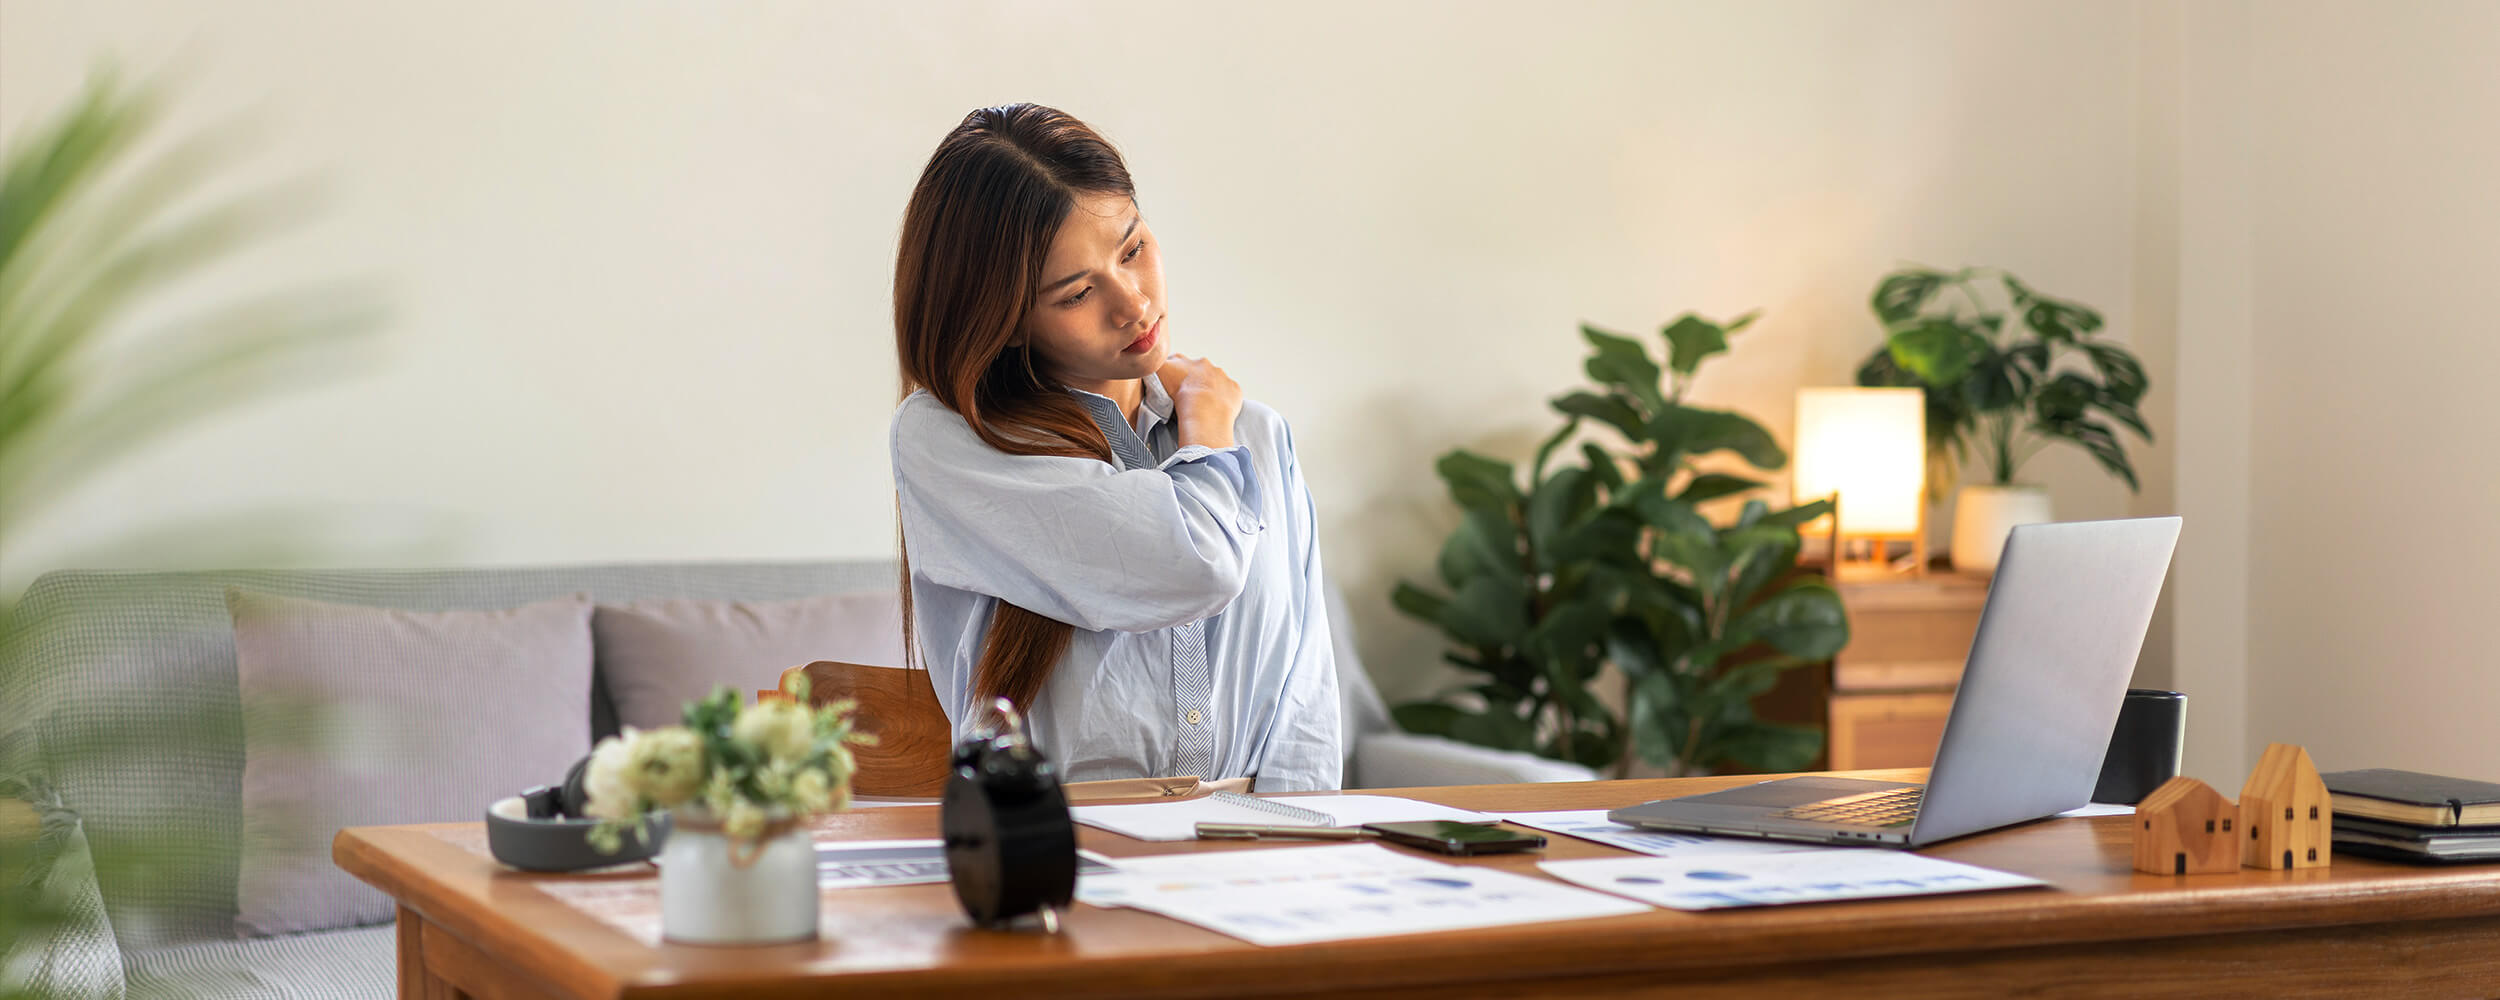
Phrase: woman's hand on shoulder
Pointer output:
(1205, 401)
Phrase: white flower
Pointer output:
(812, 791)
(781, 729)
(667, 765)
(612, 794)
(745, 820)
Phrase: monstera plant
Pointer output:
(1563, 569)
(2002, 391)
(2009, 391)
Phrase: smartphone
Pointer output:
(1457, 838)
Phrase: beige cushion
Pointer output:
(358, 716)
(658, 655)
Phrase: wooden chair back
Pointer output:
(914, 741)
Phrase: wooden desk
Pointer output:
(2360, 928)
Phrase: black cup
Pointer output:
(2145, 747)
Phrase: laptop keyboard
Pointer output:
(1890, 807)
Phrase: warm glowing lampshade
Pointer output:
(1870, 447)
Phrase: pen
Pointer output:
(1250, 831)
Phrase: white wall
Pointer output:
(2375, 139)
(640, 252)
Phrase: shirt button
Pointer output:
(1195, 718)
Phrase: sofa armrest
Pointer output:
(1408, 760)
(70, 950)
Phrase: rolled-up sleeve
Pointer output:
(1073, 538)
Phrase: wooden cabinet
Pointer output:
(1892, 686)
(1884, 699)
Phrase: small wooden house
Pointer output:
(2186, 828)
(2285, 809)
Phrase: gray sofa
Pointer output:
(106, 660)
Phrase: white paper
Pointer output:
(1771, 879)
(1179, 820)
(1592, 824)
(2100, 809)
(1299, 895)
(854, 864)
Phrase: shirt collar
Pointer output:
(1154, 406)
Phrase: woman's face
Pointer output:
(1098, 317)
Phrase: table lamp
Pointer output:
(1865, 449)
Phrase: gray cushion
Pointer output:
(655, 656)
(157, 780)
(358, 716)
(361, 964)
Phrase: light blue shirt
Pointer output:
(1192, 576)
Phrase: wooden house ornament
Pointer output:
(2285, 809)
(2186, 828)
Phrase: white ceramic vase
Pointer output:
(1983, 515)
(715, 890)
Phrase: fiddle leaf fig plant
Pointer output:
(2009, 389)
(1565, 568)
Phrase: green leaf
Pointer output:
(1611, 536)
(1612, 409)
(1751, 679)
(2063, 400)
(1632, 648)
(1572, 633)
(1685, 430)
(2019, 292)
(1805, 619)
(1996, 381)
(1937, 351)
(1657, 726)
(1430, 718)
(1483, 544)
(1487, 611)
(1770, 747)
(1686, 539)
(1621, 362)
(1796, 516)
(1692, 339)
(1560, 503)
(2120, 371)
(1713, 485)
(1902, 293)
(1762, 553)
(1417, 602)
(2055, 320)
(1477, 482)
(1545, 451)
(1604, 466)
(2104, 446)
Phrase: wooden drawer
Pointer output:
(1887, 730)
(1897, 649)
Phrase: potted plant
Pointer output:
(1553, 575)
(2003, 391)
(742, 784)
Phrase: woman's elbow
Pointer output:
(1195, 593)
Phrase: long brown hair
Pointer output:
(975, 238)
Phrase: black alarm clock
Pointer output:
(1010, 841)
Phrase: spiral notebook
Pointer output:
(1179, 820)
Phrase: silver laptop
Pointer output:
(2031, 721)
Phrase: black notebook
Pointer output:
(2413, 797)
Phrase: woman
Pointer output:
(1097, 530)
